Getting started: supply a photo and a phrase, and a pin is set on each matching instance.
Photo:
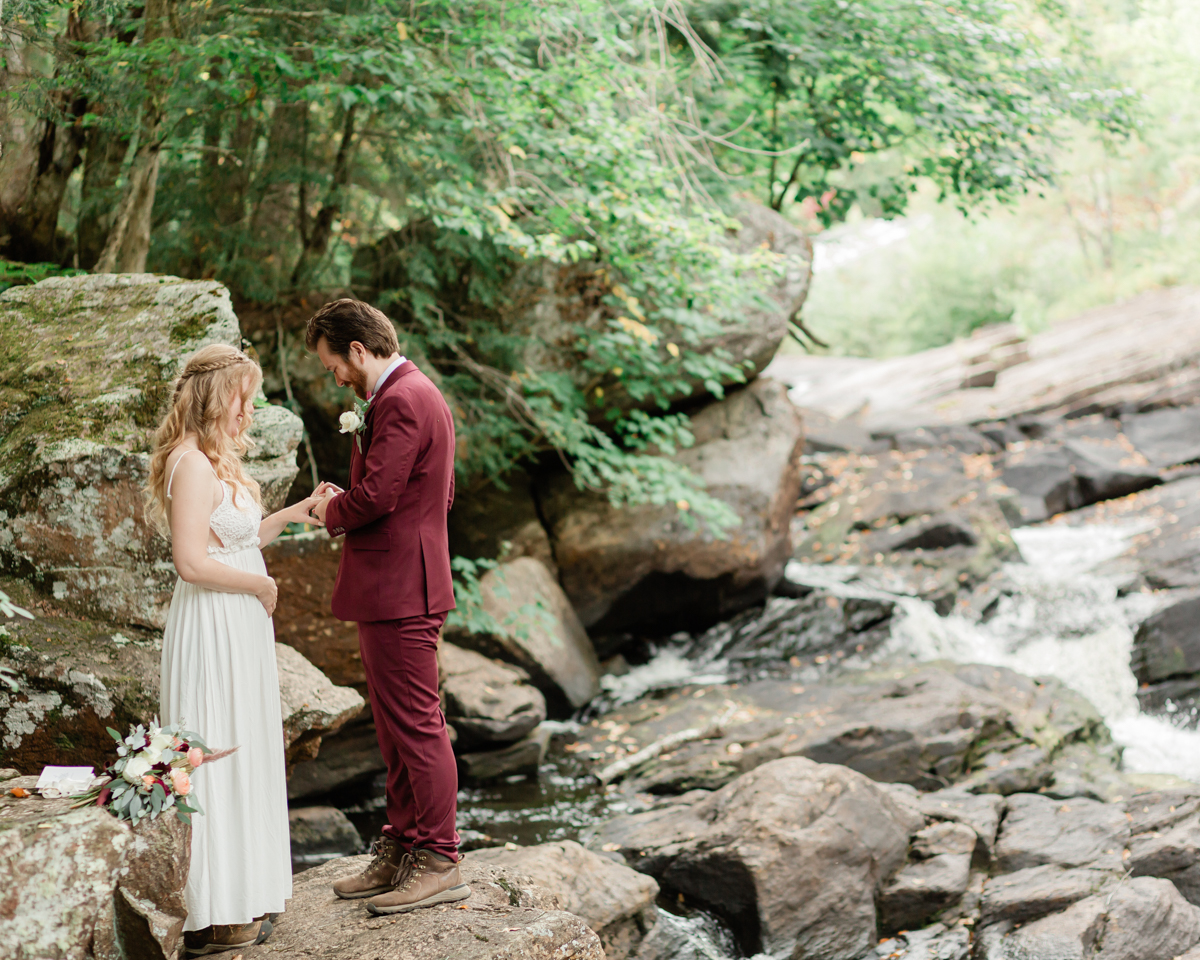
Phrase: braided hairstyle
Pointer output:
(200, 404)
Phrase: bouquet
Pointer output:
(152, 773)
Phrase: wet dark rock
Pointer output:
(1074, 833)
(1167, 644)
(980, 812)
(1021, 769)
(487, 702)
(499, 524)
(936, 878)
(1166, 839)
(647, 567)
(925, 726)
(320, 832)
(694, 937)
(1167, 436)
(350, 756)
(1177, 699)
(962, 438)
(1055, 477)
(936, 942)
(536, 628)
(1024, 895)
(1045, 479)
(1145, 918)
(522, 758)
(1167, 555)
(819, 624)
(928, 523)
(616, 902)
(791, 855)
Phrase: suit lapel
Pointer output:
(403, 370)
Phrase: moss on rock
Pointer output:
(86, 365)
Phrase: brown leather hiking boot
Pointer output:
(380, 874)
(224, 936)
(430, 880)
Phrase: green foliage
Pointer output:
(1122, 218)
(17, 274)
(469, 615)
(856, 102)
(449, 158)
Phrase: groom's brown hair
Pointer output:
(344, 321)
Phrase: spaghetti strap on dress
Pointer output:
(220, 680)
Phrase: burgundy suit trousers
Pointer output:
(400, 660)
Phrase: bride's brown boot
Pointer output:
(431, 879)
(380, 874)
(221, 937)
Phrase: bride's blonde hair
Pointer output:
(200, 405)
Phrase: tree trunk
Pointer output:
(37, 155)
(101, 170)
(128, 241)
(315, 238)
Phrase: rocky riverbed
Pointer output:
(935, 698)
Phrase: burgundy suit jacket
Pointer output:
(396, 558)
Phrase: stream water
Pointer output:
(1057, 617)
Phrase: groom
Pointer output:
(394, 580)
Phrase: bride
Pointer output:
(218, 662)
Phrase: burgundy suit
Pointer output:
(394, 581)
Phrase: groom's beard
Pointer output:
(357, 382)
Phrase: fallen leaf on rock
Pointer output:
(20, 792)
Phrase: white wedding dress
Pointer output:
(219, 679)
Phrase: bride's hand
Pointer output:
(302, 512)
(268, 595)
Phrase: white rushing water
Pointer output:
(1062, 620)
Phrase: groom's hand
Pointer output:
(323, 504)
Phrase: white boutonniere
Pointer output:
(353, 421)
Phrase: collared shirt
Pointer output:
(383, 376)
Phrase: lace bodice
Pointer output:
(235, 520)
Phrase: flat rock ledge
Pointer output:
(508, 917)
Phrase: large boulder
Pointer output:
(487, 702)
(926, 726)
(312, 705)
(647, 566)
(928, 521)
(1140, 354)
(75, 677)
(508, 917)
(85, 368)
(535, 627)
(82, 885)
(1167, 436)
(792, 855)
(616, 902)
(1166, 839)
(1077, 833)
(1052, 478)
(1167, 644)
(1145, 919)
(1167, 554)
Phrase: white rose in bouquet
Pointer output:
(135, 769)
(158, 743)
(350, 422)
